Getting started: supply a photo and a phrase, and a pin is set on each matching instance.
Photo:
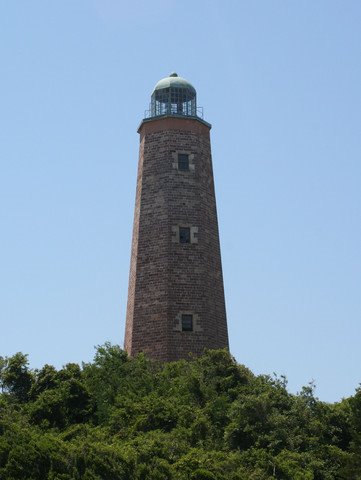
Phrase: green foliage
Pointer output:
(60, 398)
(15, 377)
(204, 419)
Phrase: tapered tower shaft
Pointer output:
(176, 299)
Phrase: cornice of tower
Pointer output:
(173, 122)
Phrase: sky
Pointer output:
(280, 83)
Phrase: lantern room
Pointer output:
(173, 95)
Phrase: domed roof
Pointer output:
(175, 82)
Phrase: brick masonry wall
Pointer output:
(168, 278)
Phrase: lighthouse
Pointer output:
(176, 306)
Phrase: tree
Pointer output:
(15, 376)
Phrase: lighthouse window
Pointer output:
(187, 323)
(184, 235)
(183, 161)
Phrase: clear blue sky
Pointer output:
(280, 82)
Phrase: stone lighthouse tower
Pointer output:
(176, 299)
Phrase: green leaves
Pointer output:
(15, 377)
(204, 419)
(63, 405)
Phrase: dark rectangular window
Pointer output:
(184, 235)
(183, 161)
(187, 323)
